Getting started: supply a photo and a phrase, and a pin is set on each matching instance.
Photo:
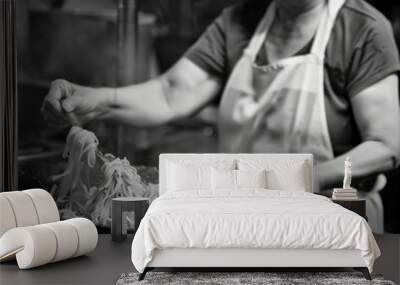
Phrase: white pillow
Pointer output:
(187, 177)
(282, 174)
(251, 178)
(193, 173)
(223, 179)
(226, 179)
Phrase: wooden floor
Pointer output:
(110, 260)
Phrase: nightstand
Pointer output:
(356, 206)
(119, 209)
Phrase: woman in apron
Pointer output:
(278, 107)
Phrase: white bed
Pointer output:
(250, 227)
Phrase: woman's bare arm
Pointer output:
(184, 89)
(376, 110)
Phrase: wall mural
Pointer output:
(85, 163)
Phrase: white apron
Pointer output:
(278, 108)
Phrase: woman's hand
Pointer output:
(67, 103)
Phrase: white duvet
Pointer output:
(250, 219)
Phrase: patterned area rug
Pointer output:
(243, 278)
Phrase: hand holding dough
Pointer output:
(246, 108)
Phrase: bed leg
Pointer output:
(142, 275)
(364, 271)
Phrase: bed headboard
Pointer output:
(165, 157)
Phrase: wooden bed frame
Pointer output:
(241, 259)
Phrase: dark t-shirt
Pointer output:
(361, 51)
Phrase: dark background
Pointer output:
(93, 42)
